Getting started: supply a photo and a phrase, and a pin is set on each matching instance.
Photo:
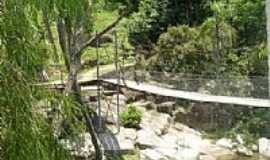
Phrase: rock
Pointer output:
(186, 154)
(122, 99)
(126, 139)
(189, 141)
(109, 109)
(241, 149)
(158, 122)
(145, 104)
(80, 146)
(110, 113)
(169, 141)
(166, 107)
(254, 148)
(179, 146)
(147, 139)
(183, 139)
(67, 144)
(207, 157)
(239, 139)
(132, 95)
(213, 150)
(183, 128)
(169, 153)
(225, 143)
(264, 147)
(178, 154)
(150, 154)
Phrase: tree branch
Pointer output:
(94, 38)
(50, 34)
(62, 41)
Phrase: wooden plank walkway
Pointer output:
(194, 96)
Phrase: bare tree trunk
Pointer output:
(61, 29)
(50, 34)
(73, 88)
(268, 40)
(74, 66)
(72, 46)
(73, 63)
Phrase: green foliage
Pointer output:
(154, 16)
(180, 45)
(144, 25)
(192, 50)
(104, 18)
(130, 5)
(20, 38)
(257, 56)
(252, 124)
(249, 19)
(131, 117)
(25, 132)
(229, 32)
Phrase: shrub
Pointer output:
(131, 118)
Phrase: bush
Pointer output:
(131, 118)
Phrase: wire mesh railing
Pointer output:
(220, 85)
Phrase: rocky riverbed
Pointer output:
(160, 137)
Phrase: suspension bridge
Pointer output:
(168, 92)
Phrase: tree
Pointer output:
(75, 32)
(154, 16)
(74, 23)
(268, 40)
(24, 132)
(23, 33)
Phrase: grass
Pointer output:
(104, 18)
(106, 54)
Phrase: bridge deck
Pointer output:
(194, 96)
(148, 88)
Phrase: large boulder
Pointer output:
(183, 128)
(132, 95)
(145, 104)
(179, 153)
(81, 146)
(226, 143)
(109, 108)
(207, 157)
(190, 141)
(169, 141)
(147, 139)
(186, 154)
(151, 154)
(179, 146)
(122, 99)
(169, 154)
(264, 147)
(158, 122)
(126, 139)
(242, 150)
(213, 151)
(239, 139)
(166, 107)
